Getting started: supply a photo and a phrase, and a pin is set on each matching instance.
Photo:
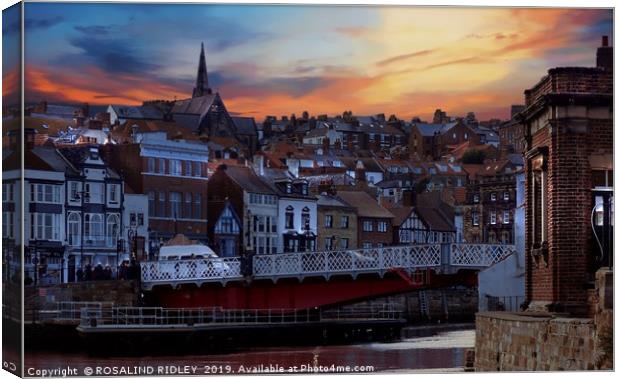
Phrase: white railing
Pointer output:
(325, 263)
(153, 317)
(208, 269)
(478, 255)
(346, 261)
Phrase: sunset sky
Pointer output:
(279, 60)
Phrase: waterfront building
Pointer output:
(225, 235)
(172, 173)
(253, 201)
(297, 209)
(568, 126)
(135, 234)
(337, 223)
(374, 222)
(95, 197)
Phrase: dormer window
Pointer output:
(304, 189)
(289, 187)
(94, 154)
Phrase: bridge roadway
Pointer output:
(441, 258)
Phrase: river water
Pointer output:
(442, 352)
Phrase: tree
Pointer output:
(474, 156)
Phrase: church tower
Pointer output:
(202, 81)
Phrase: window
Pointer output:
(289, 188)
(94, 192)
(188, 205)
(112, 229)
(506, 217)
(506, 195)
(161, 209)
(175, 205)
(113, 193)
(7, 192)
(150, 165)
(344, 222)
(188, 168)
(197, 169)
(140, 219)
(305, 218)
(73, 223)
(7, 224)
(475, 218)
(367, 226)
(344, 243)
(93, 227)
(476, 198)
(289, 218)
(453, 136)
(367, 245)
(465, 136)
(379, 244)
(175, 167)
(493, 196)
(274, 226)
(382, 226)
(152, 203)
(162, 166)
(197, 206)
(493, 217)
(539, 202)
(328, 243)
(133, 219)
(45, 193)
(304, 189)
(74, 191)
(329, 221)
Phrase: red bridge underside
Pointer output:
(292, 294)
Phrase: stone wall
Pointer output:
(444, 304)
(528, 341)
(120, 292)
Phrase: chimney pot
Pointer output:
(605, 41)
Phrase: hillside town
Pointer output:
(107, 187)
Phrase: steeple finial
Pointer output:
(202, 80)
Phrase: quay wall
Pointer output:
(444, 304)
(529, 341)
(120, 292)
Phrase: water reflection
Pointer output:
(443, 351)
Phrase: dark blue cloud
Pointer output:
(113, 55)
(93, 29)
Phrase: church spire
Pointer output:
(202, 81)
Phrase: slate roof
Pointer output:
(335, 179)
(138, 112)
(428, 130)
(438, 215)
(77, 155)
(365, 204)
(194, 105)
(401, 214)
(245, 125)
(331, 201)
(272, 175)
(248, 180)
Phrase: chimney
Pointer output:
(360, 172)
(408, 198)
(259, 164)
(605, 55)
(293, 166)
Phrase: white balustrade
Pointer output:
(325, 263)
(478, 255)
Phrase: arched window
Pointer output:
(93, 227)
(289, 218)
(112, 229)
(73, 222)
(305, 218)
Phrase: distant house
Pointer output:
(374, 222)
(120, 114)
(337, 224)
(225, 235)
(432, 140)
(430, 221)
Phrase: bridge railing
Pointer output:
(327, 263)
(194, 269)
(346, 261)
(155, 316)
(478, 255)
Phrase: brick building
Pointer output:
(173, 173)
(568, 124)
(374, 223)
(337, 224)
